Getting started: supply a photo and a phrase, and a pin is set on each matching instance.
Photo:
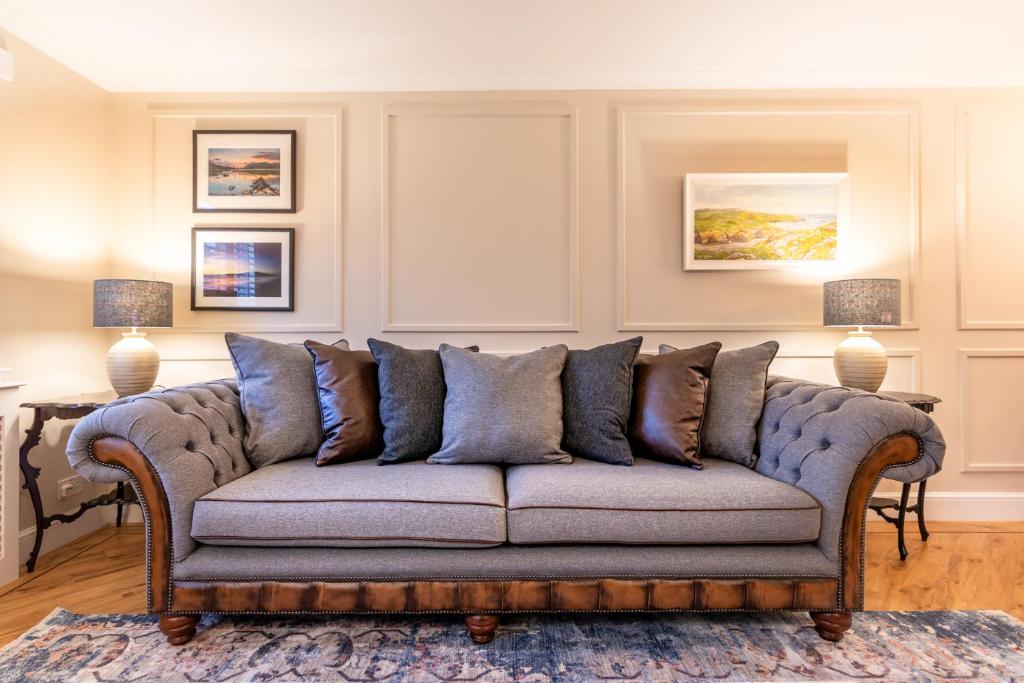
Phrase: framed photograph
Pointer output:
(758, 221)
(243, 269)
(250, 171)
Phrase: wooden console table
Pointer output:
(67, 408)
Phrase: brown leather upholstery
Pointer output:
(669, 393)
(349, 399)
(823, 597)
(505, 596)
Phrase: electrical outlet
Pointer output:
(70, 487)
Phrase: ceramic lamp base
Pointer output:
(132, 364)
(860, 361)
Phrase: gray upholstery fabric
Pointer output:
(508, 561)
(654, 502)
(356, 504)
(815, 436)
(412, 392)
(502, 409)
(597, 387)
(279, 398)
(735, 400)
(191, 435)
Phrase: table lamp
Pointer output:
(860, 361)
(133, 362)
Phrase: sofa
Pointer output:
(483, 540)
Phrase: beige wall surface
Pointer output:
(55, 155)
(519, 219)
(514, 220)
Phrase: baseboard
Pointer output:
(969, 506)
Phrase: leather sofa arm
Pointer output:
(177, 445)
(835, 444)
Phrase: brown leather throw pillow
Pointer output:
(346, 383)
(669, 395)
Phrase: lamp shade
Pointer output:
(873, 302)
(131, 303)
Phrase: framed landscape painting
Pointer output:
(757, 221)
(250, 269)
(243, 171)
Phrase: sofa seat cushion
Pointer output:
(356, 504)
(655, 503)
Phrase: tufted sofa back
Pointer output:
(815, 436)
(191, 435)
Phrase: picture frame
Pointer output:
(243, 269)
(243, 171)
(763, 221)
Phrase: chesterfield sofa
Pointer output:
(482, 541)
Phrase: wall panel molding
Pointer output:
(496, 110)
(623, 112)
(967, 463)
(962, 231)
(257, 111)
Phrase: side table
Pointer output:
(67, 408)
(926, 404)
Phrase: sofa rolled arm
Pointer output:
(826, 440)
(178, 444)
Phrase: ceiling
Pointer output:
(388, 45)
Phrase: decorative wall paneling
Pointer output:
(858, 139)
(487, 198)
(989, 238)
(990, 414)
(318, 219)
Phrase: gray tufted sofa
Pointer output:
(480, 541)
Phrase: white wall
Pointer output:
(55, 142)
(515, 220)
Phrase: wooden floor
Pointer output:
(962, 566)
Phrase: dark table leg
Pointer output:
(920, 510)
(31, 474)
(120, 505)
(904, 499)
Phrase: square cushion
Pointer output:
(356, 504)
(669, 397)
(655, 503)
(597, 389)
(412, 392)
(279, 398)
(502, 409)
(735, 400)
(346, 383)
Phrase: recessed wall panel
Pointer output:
(990, 240)
(658, 148)
(991, 405)
(480, 219)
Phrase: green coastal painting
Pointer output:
(761, 220)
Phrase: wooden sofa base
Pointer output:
(482, 601)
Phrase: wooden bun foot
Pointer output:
(178, 629)
(481, 627)
(832, 625)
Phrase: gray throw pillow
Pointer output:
(278, 396)
(735, 400)
(597, 386)
(502, 409)
(412, 394)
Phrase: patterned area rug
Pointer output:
(889, 646)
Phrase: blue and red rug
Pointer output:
(883, 646)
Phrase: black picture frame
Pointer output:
(292, 195)
(290, 279)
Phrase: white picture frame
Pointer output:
(718, 239)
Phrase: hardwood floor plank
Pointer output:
(962, 566)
